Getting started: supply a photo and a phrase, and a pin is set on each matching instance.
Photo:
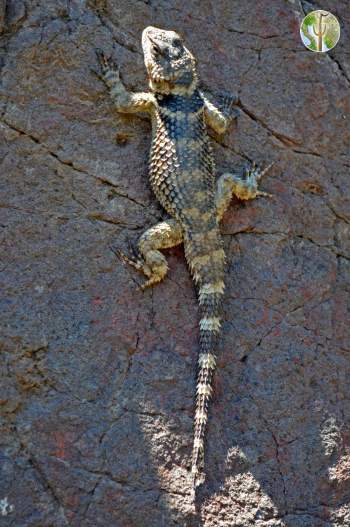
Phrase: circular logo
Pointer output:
(320, 31)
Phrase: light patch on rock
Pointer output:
(330, 436)
(5, 507)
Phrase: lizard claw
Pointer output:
(228, 103)
(128, 260)
(101, 56)
(246, 183)
(256, 174)
(107, 63)
(137, 263)
(261, 193)
(96, 73)
(109, 68)
(132, 250)
(260, 173)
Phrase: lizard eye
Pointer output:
(177, 42)
(155, 47)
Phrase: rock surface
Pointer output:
(97, 378)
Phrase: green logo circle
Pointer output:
(320, 31)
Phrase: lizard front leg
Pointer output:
(151, 261)
(219, 119)
(125, 101)
(244, 185)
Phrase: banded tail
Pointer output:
(207, 263)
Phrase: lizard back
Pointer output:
(181, 161)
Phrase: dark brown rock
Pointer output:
(2, 15)
(97, 386)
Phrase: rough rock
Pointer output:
(97, 378)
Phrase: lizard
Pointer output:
(182, 177)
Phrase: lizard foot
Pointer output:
(228, 103)
(109, 67)
(155, 270)
(134, 262)
(245, 185)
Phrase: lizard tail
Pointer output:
(208, 272)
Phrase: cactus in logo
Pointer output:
(320, 30)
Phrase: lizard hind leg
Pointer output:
(151, 262)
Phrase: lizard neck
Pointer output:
(180, 87)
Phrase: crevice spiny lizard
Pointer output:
(182, 176)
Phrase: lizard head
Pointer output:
(170, 65)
